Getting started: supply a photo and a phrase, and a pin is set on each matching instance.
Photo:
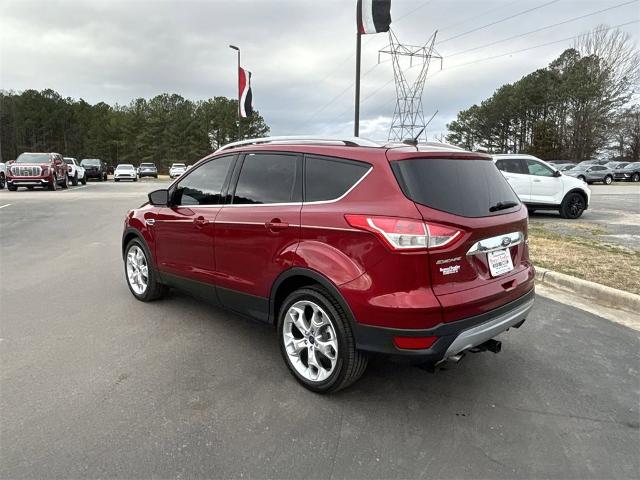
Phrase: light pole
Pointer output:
(239, 116)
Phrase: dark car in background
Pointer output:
(95, 168)
(591, 173)
(629, 173)
(147, 170)
(616, 165)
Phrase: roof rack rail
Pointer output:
(306, 139)
(438, 145)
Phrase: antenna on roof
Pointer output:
(414, 141)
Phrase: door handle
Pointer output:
(200, 222)
(275, 225)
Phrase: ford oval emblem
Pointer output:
(506, 241)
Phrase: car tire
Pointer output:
(153, 289)
(582, 177)
(65, 182)
(635, 177)
(12, 188)
(30, 187)
(2, 181)
(348, 363)
(84, 179)
(135, 179)
(116, 179)
(573, 205)
(74, 180)
(53, 184)
(608, 180)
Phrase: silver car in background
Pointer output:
(591, 173)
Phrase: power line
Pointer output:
(367, 40)
(499, 7)
(542, 28)
(498, 56)
(351, 56)
(497, 21)
(315, 114)
(539, 46)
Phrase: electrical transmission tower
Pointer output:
(408, 117)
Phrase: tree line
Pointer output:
(164, 129)
(580, 106)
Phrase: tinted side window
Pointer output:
(203, 186)
(511, 165)
(328, 179)
(268, 178)
(538, 169)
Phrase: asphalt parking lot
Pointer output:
(96, 384)
(614, 213)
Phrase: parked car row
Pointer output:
(604, 171)
(52, 170)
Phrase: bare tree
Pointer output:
(618, 57)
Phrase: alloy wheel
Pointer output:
(310, 341)
(137, 270)
(576, 205)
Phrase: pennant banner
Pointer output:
(374, 16)
(245, 98)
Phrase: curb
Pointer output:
(600, 294)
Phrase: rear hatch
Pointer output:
(478, 260)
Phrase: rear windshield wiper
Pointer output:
(503, 206)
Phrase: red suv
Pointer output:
(347, 246)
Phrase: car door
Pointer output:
(257, 232)
(597, 173)
(515, 171)
(545, 186)
(184, 229)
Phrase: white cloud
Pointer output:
(300, 52)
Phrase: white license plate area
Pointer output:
(499, 262)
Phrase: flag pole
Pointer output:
(238, 83)
(356, 123)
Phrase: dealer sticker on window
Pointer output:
(499, 262)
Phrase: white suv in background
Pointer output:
(541, 186)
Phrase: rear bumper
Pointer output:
(148, 174)
(94, 174)
(453, 337)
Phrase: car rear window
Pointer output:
(470, 188)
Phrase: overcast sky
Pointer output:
(301, 52)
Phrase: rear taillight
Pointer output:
(405, 233)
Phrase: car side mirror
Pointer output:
(159, 198)
(557, 173)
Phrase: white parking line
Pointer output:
(2, 206)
